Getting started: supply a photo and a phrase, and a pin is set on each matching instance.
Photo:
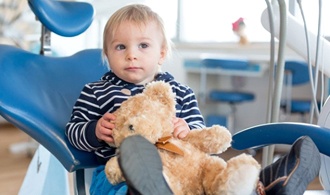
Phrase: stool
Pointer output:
(231, 97)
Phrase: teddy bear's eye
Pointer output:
(131, 127)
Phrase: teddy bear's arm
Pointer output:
(113, 172)
(212, 140)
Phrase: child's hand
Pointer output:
(181, 128)
(104, 127)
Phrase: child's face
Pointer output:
(136, 51)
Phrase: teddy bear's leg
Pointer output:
(214, 179)
(238, 176)
(242, 174)
(113, 172)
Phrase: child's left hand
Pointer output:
(181, 128)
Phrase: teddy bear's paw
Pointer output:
(219, 139)
(210, 140)
(243, 174)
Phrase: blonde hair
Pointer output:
(139, 14)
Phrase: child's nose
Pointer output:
(131, 54)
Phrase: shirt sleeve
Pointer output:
(80, 129)
(189, 109)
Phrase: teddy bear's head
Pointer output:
(150, 114)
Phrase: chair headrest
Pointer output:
(64, 18)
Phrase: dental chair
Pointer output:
(38, 91)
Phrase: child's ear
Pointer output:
(162, 57)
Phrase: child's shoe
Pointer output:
(291, 174)
(142, 167)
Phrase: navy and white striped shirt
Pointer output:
(105, 95)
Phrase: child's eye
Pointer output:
(143, 45)
(120, 47)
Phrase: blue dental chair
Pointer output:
(38, 91)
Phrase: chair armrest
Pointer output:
(281, 133)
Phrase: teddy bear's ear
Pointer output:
(160, 91)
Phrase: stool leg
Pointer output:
(232, 118)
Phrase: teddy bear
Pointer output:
(190, 165)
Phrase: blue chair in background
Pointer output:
(296, 74)
(231, 97)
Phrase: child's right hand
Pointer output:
(104, 127)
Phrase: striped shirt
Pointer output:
(105, 95)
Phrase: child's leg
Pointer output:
(292, 173)
(101, 186)
(142, 167)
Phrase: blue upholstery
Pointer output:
(281, 133)
(64, 18)
(38, 93)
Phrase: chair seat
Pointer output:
(231, 96)
(64, 18)
(300, 106)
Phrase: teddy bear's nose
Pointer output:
(131, 127)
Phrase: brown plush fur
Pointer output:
(196, 172)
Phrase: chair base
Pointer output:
(45, 175)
